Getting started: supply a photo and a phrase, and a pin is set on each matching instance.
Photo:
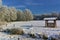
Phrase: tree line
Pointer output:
(12, 14)
(47, 15)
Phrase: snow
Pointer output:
(54, 18)
(50, 21)
(48, 31)
(4, 36)
(40, 23)
(34, 24)
(37, 27)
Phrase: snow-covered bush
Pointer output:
(14, 31)
(54, 37)
(32, 35)
(44, 37)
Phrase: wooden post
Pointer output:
(54, 23)
(46, 23)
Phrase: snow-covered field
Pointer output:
(40, 23)
(37, 27)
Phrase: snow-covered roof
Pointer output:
(53, 18)
(50, 21)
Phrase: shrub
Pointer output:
(32, 35)
(39, 35)
(53, 38)
(14, 31)
(45, 37)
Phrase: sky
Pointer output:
(36, 6)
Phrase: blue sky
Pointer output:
(36, 6)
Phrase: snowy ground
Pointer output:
(37, 27)
(4, 36)
(40, 23)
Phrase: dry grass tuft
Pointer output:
(14, 31)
